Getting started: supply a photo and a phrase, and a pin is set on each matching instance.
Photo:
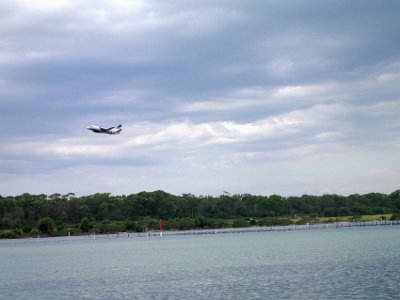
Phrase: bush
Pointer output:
(395, 217)
(60, 226)
(329, 212)
(201, 222)
(343, 211)
(132, 226)
(27, 228)
(179, 224)
(34, 232)
(107, 227)
(72, 231)
(186, 224)
(218, 223)
(274, 222)
(86, 225)
(240, 223)
(7, 234)
(148, 223)
(46, 225)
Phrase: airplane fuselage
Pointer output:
(111, 130)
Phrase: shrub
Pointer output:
(27, 228)
(7, 234)
(107, 227)
(86, 224)
(329, 212)
(46, 225)
(240, 223)
(274, 222)
(395, 216)
(218, 223)
(34, 232)
(132, 226)
(201, 222)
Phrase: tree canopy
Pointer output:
(52, 211)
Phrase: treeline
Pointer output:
(30, 214)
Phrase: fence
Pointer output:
(309, 226)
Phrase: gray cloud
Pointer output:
(260, 97)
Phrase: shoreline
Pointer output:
(310, 226)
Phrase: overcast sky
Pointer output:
(260, 97)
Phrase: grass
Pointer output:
(363, 218)
(376, 217)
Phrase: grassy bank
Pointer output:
(150, 224)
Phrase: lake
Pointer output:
(345, 263)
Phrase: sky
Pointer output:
(262, 97)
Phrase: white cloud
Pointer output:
(180, 136)
(45, 5)
(303, 91)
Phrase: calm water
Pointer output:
(349, 263)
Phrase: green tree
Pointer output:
(395, 199)
(148, 223)
(104, 211)
(86, 225)
(131, 226)
(46, 225)
(167, 208)
(201, 222)
(84, 211)
(343, 211)
(329, 212)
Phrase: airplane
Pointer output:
(111, 130)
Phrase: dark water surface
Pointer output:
(348, 263)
